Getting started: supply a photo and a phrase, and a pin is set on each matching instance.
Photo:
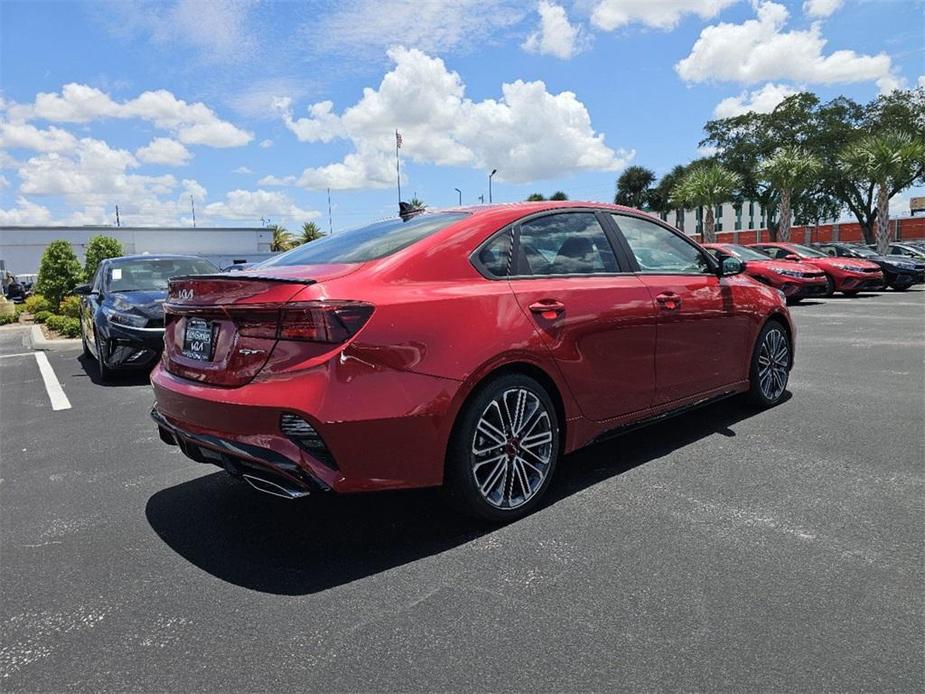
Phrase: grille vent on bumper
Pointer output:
(301, 432)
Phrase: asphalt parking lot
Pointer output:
(725, 551)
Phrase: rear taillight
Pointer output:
(313, 321)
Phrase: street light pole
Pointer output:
(493, 172)
(460, 195)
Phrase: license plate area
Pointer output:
(198, 339)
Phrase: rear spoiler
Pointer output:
(242, 276)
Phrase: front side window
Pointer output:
(570, 243)
(367, 243)
(659, 250)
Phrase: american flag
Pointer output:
(398, 139)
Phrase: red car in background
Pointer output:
(469, 348)
(795, 279)
(846, 275)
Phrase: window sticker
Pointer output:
(117, 273)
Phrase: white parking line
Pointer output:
(56, 394)
(18, 354)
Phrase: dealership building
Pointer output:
(21, 247)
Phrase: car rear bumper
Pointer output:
(379, 429)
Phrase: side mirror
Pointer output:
(792, 256)
(731, 266)
(82, 290)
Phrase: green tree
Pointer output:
(888, 160)
(417, 204)
(59, 272)
(633, 187)
(310, 232)
(824, 130)
(660, 195)
(536, 197)
(99, 248)
(790, 170)
(706, 186)
(558, 195)
(282, 239)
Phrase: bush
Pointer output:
(59, 272)
(7, 318)
(36, 303)
(99, 248)
(69, 327)
(70, 307)
(42, 316)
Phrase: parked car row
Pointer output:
(802, 271)
(469, 348)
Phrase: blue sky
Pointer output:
(254, 109)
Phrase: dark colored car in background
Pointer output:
(470, 348)
(795, 279)
(122, 312)
(846, 275)
(909, 250)
(899, 272)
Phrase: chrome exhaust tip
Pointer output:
(268, 487)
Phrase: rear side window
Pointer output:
(495, 256)
(659, 250)
(367, 243)
(570, 243)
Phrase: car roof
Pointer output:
(508, 212)
(159, 256)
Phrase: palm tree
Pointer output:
(884, 159)
(282, 239)
(790, 171)
(417, 204)
(310, 232)
(536, 197)
(706, 186)
(633, 186)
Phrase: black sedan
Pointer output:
(899, 272)
(122, 312)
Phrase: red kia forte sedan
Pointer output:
(845, 275)
(795, 279)
(469, 348)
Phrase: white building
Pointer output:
(728, 217)
(21, 247)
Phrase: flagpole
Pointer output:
(397, 168)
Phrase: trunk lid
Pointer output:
(221, 329)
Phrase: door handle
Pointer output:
(669, 300)
(548, 308)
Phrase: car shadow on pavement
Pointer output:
(119, 379)
(298, 547)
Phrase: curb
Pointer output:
(39, 341)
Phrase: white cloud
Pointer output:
(821, 8)
(24, 214)
(660, 14)
(192, 124)
(759, 49)
(266, 144)
(762, 100)
(528, 134)
(922, 81)
(25, 136)
(4, 182)
(365, 28)
(163, 150)
(277, 181)
(252, 205)
(556, 35)
(242, 170)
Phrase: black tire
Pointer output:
(829, 287)
(899, 287)
(773, 344)
(794, 300)
(106, 374)
(477, 459)
(851, 292)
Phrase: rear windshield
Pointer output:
(367, 243)
(146, 274)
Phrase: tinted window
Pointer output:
(152, 273)
(570, 243)
(659, 250)
(366, 243)
(495, 256)
(745, 253)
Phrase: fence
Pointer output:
(907, 228)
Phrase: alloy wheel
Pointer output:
(773, 364)
(512, 448)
